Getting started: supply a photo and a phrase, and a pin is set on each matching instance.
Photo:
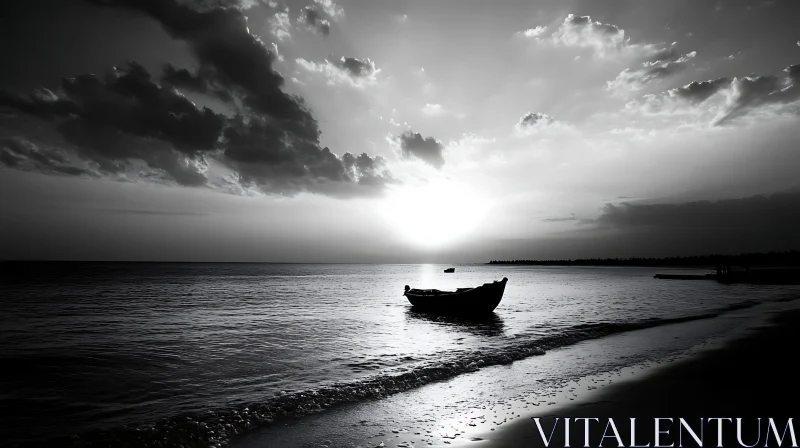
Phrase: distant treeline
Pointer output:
(787, 258)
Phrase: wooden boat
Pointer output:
(448, 270)
(463, 301)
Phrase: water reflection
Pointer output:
(488, 325)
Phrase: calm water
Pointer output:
(91, 346)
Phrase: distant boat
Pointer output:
(463, 301)
(450, 270)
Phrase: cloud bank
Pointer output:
(129, 121)
(722, 100)
(663, 65)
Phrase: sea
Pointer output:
(203, 354)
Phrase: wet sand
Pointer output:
(749, 377)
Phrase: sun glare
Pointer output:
(434, 216)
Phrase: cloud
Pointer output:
(749, 224)
(534, 32)
(722, 100)
(201, 83)
(437, 110)
(19, 153)
(358, 68)
(748, 94)
(254, 151)
(277, 53)
(535, 119)
(114, 118)
(663, 65)
(330, 8)
(561, 219)
(345, 70)
(433, 110)
(697, 92)
(755, 223)
(429, 150)
(280, 25)
(604, 39)
(313, 20)
(371, 172)
(534, 122)
(582, 32)
(126, 121)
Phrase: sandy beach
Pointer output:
(749, 377)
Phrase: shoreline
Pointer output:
(479, 408)
(735, 380)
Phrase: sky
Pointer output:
(397, 132)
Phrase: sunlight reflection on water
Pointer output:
(92, 345)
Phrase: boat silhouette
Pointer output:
(463, 301)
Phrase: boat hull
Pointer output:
(473, 301)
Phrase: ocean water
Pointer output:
(125, 352)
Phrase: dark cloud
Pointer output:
(531, 119)
(257, 151)
(750, 93)
(738, 96)
(793, 71)
(532, 123)
(697, 92)
(314, 20)
(16, 152)
(661, 65)
(202, 82)
(128, 100)
(750, 224)
(370, 171)
(359, 68)
(426, 149)
(232, 57)
(127, 116)
(757, 223)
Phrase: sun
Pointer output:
(434, 216)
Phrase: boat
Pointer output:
(481, 299)
(448, 270)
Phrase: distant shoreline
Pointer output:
(598, 265)
(710, 261)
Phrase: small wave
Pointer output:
(216, 429)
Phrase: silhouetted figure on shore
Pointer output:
(723, 266)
